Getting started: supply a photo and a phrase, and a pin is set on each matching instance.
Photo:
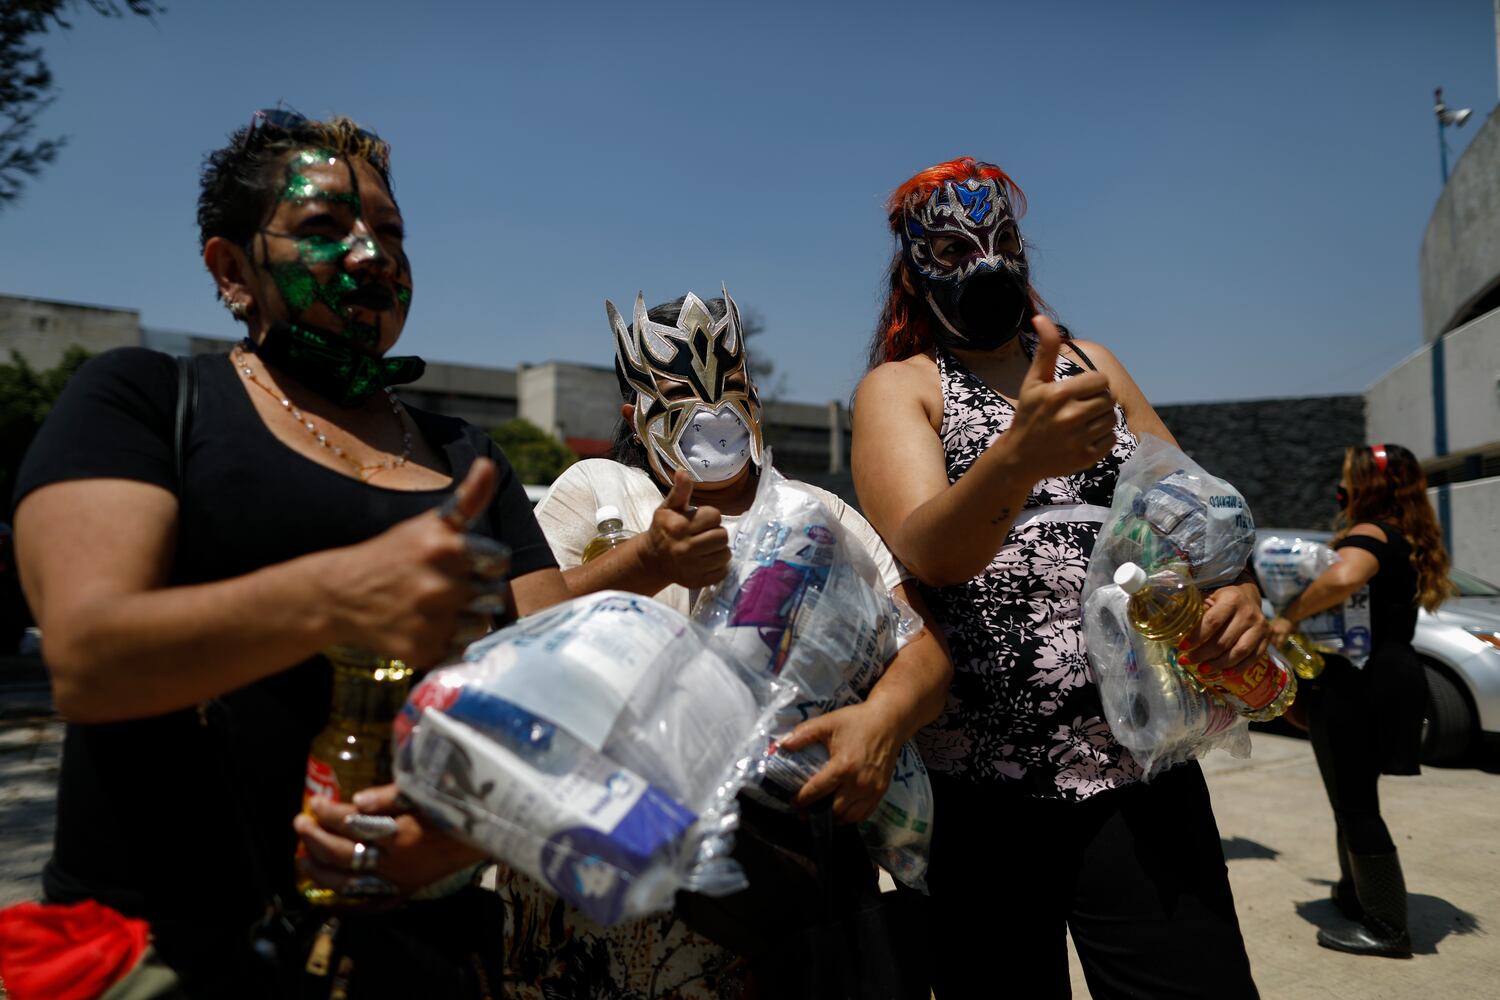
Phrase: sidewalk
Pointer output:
(30, 750)
(1278, 838)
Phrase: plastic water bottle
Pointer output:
(1166, 606)
(612, 533)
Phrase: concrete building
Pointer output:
(578, 404)
(1283, 454)
(1443, 402)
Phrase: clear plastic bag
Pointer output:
(1167, 511)
(1285, 565)
(597, 746)
(804, 606)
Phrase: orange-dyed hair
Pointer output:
(1398, 494)
(906, 321)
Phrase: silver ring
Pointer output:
(366, 857)
(362, 827)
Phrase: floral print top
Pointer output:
(1023, 709)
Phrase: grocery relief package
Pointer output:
(804, 608)
(1285, 565)
(1167, 512)
(596, 746)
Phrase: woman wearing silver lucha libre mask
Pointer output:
(683, 471)
(986, 450)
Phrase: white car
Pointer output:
(1459, 644)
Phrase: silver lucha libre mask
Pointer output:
(695, 406)
(979, 288)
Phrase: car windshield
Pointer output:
(1471, 586)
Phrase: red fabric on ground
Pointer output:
(67, 952)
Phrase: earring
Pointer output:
(237, 309)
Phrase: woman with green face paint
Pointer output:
(190, 543)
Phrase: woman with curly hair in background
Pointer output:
(1365, 722)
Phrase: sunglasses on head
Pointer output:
(1378, 451)
(287, 120)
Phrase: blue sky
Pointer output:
(1229, 196)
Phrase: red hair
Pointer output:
(905, 325)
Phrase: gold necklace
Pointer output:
(364, 472)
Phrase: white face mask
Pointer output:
(716, 444)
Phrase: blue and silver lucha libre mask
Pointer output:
(977, 286)
(695, 405)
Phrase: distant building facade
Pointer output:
(1282, 453)
(578, 404)
(1443, 402)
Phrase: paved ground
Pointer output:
(1278, 837)
(30, 744)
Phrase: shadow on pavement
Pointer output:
(1242, 848)
(1431, 918)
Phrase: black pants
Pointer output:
(1136, 874)
(1342, 727)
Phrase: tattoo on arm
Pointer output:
(1003, 516)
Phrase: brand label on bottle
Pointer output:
(1257, 685)
(321, 780)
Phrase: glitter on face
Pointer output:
(342, 293)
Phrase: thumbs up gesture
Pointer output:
(404, 592)
(685, 544)
(1061, 427)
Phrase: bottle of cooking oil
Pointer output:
(353, 752)
(1305, 660)
(612, 532)
(1165, 607)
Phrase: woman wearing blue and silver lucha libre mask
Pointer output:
(683, 471)
(986, 450)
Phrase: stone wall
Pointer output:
(1284, 455)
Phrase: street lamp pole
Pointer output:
(1445, 117)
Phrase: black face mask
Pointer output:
(1341, 496)
(333, 367)
(984, 311)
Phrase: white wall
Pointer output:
(1473, 368)
(1399, 409)
(42, 330)
(1399, 405)
(1475, 509)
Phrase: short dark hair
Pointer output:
(240, 183)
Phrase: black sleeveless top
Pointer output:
(1393, 590)
(1390, 691)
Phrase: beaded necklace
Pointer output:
(364, 472)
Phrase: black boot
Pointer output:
(1382, 893)
(1344, 896)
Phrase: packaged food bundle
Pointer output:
(1285, 565)
(1169, 516)
(804, 607)
(596, 746)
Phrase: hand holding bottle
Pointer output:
(1232, 632)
